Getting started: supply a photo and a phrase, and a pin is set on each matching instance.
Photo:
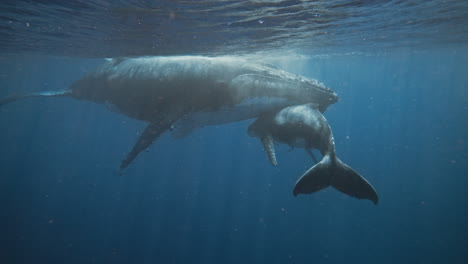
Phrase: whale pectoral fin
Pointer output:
(269, 147)
(151, 133)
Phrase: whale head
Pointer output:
(264, 81)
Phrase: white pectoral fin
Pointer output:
(151, 133)
(269, 147)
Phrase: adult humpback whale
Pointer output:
(304, 126)
(169, 91)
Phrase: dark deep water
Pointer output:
(212, 197)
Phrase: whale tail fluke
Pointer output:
(334, 172)
(15, 98)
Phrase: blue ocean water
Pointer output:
(213, 197)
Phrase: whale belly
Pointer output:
(248, 109)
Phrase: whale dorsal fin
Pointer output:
(150, 134)
(269, 147)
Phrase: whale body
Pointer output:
(304, 126)
(189, 92)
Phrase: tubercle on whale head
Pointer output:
(326, 98)
(331, 96)
(323, 107)
(318, 92)
(335, 98)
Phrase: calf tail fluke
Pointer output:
(15, 98)
(339, 175)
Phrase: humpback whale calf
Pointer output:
(304, 126)
(190, 91)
